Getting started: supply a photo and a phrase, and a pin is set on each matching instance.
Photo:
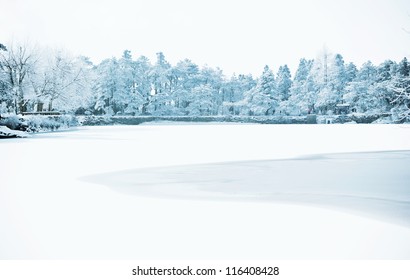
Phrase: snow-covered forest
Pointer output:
(37, 80)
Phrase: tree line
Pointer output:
(50, 80)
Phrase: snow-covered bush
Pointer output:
(35, 123)
(49, 123)
(12, 121)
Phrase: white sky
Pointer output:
(238, 36)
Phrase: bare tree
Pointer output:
(16, 63)
(61, 78)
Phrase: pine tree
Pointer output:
(203, 101)
(284, 82)
(404, 68)
(185, 78)
(400, 86)
(266, 84)
(331, 80)
(160, 76)
(359, 92)
(106, 87)
(303, 92)
(264, 98)
(351, 72)
(233, 92)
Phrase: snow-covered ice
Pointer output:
(207, 192)
(370, 184)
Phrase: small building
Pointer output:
(234, 108)
(342, 109)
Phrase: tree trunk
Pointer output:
(20, 98)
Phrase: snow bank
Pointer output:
(6, 132)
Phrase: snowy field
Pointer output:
(211, 191)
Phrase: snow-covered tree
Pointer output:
(257, 103)
(17, 62)
(106, 87)
(264, 98)
(303, 92)
(214, 79)
(61, 82)
(331, 79)
(160, 74)
(360, 91)
(132, 88)
(385, 73)
(266, 83)
(127, 86)
(143, 83)
(5, 96)
(161, 78)
(233, 94)
(203, 101)
(186, 74)
(351, 72)
(185, 78)
(337, 76)
(284, 82)
(400, 87)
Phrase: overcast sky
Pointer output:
(237, 36)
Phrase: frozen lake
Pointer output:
(210, 191)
